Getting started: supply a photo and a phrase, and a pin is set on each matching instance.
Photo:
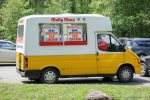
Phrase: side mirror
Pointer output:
(102, 45)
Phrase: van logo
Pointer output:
(62, 20)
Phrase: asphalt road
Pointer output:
(8, 74)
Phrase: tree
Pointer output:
(36, 6)
(47, 6)
(80, 6)
(130, 18)
(15, 9)
(11, 12)
(2, 2)
(57, 7)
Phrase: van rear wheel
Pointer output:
(49, 76)
(125, 74)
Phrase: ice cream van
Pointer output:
(50, 47)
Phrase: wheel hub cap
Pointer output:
(126, 74)
(49, 76)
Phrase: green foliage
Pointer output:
(130, 18)
(2, 2)
(47, 6)
(80, 6)
(102, 7)
(15, 9)
(70, 91)
(11, 12)
(57, 7)
(36, 5)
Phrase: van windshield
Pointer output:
(20, 33)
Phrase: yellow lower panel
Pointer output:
(18, 60)
(109, 63)
(68, 64)
(78, 64)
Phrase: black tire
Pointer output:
(49, 76)
(125, 74)
(35, 80)
(107, 79)
(144, 71)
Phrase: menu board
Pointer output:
(75, 33)
(51, 34)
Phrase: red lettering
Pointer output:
(74, 36)
(62, 20)
(56, 20)
(51, 36)
(69, 20)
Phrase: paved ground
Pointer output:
(9, 74)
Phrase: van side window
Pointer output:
(75, 34)
(20, 33)
(103, 42)
(50, 34)
(63, 34)
(108, 43)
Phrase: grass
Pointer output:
(11, 91)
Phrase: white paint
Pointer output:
(31, 47)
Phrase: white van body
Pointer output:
(33, 47)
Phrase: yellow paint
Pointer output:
(81, 64)
(110, 62)
(133, 59)
(68, 65)
(18, 60)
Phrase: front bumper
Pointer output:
(33, 74)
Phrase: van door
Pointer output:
(110, 53)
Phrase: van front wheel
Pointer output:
(125, 74)
(49, 76)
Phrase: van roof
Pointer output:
(64, 15)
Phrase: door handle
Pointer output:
(97, 53)
(97, 57)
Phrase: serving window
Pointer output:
(63, 34)
(50, 34)
(75, 34)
